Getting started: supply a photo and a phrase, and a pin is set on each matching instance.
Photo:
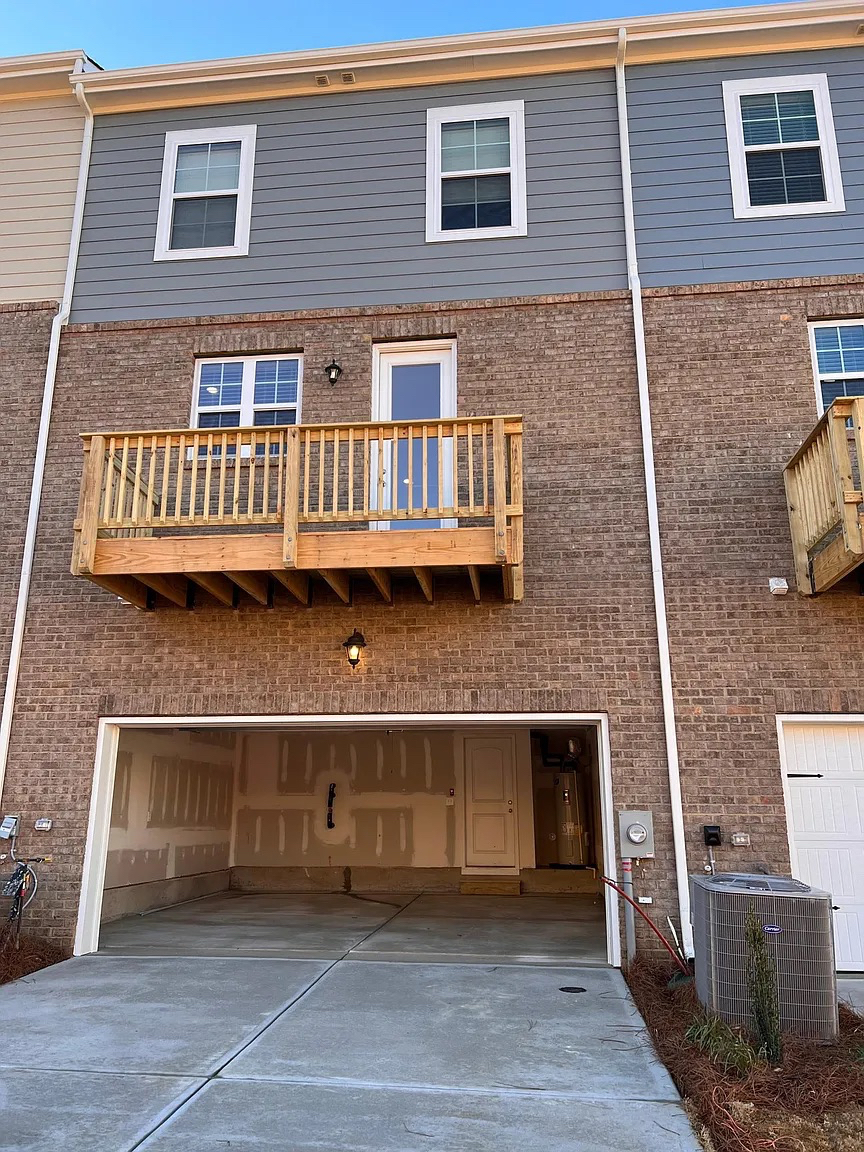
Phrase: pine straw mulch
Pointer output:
(814, 1102)
(32, 954)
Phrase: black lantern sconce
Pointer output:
(353, 646)
(333, 370)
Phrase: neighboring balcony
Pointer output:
(824, 496)
(163, 515)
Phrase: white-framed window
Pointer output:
(782, 150)
(475, 171)
(837, 349)
(247, 391)
(205, 202)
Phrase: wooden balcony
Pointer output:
(824, 496)
(165, 515)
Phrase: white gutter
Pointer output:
(57, 325)
(678, 836)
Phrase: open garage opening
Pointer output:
(186, 811)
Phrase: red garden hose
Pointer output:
(650, 924)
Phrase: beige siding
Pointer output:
(40, 148)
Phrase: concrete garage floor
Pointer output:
(293, 1023)
(535, 929)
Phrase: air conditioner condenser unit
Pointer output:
(797, 923)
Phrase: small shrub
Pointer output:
(762, 986)
(724, 1044)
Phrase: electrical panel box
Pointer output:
(9, 828)
(636, 834)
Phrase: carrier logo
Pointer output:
(773, 929)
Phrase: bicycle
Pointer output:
(20, 888)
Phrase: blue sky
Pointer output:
(121, 35)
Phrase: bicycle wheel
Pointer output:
(12, 904)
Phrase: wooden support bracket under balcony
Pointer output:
(228, 509)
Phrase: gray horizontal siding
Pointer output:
(682, 190)
(338, 210)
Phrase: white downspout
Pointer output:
(57, 325)
(678, 836)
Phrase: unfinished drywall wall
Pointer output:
(171, 817)
(392, 805)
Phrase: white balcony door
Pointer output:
(490, 809)
(415, 381)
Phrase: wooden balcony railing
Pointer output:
(233, 508)
(824, 496)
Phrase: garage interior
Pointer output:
(434, 842)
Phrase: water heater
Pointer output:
(570, 819)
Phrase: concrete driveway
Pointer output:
(169, 1041)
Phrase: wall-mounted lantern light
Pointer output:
(353, 646)
(333, 370)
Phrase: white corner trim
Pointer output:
(98, 831)
(246, 135)
(512, 110)
(817, 83)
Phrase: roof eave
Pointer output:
(40, 76)
(574, 47)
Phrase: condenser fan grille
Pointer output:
(798, 929)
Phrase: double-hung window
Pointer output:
(782, 150)
(205, 204)
(247, 392)
(475, 172)
(837, 348)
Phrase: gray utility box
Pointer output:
(797, 923)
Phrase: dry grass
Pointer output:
(32, 954)
(809, 1104)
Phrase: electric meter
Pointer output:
(637, 833)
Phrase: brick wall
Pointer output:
(24, 334)
(732, 397)
(583, 639)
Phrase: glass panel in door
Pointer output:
(415, 395)
(415, 384)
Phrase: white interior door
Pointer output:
(824, 765)
(490, 808)
(415, 381)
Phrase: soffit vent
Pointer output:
(348, 77)
(322, 81)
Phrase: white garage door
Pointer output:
(825, 778)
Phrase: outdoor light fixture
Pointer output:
(333, 370)
(353, 646)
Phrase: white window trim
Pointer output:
(514, 112)
(245, 134)
(817, 83)
(248, 406)
(818, 376)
